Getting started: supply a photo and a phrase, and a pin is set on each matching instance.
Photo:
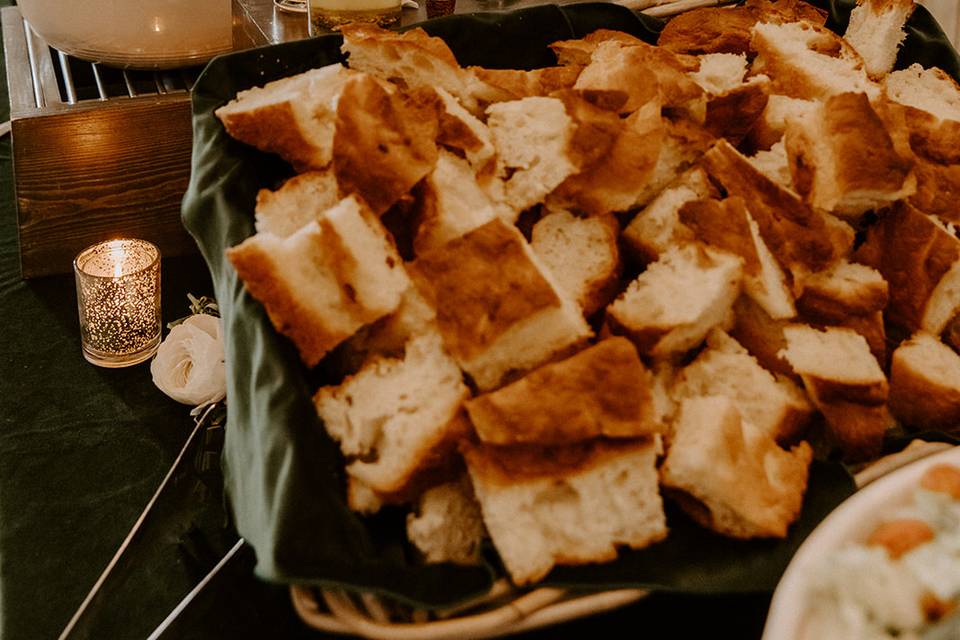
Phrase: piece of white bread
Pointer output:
(915, 255)
(532, 137)
(845, 382)
(292, 117)
(385, 140)
(461, 130)
(769, 128)
(727, 225)
(720, 72)
(684, 143)
(567, 505)
(657, 227)
(447, 525)
(729, 475)
(503, 85)
(452, 203)
(296, 203)
(497, 308)
(844, 161)
(925, 384)
(774, 164)
(581, 254)
(411, 58)
(328, 279)
(562, 402)
(876, 31)
(761, 335)
(774, 404)
(847, 288)
(669, 308)
(931, 90)
(397, 417)
(808, 61)
(614, 67)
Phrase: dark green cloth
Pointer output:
(285, 476)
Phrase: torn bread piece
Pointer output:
(727, 225)
(684, 144)
(925, 384)
(325, 281)
(733, 104)
(846, 384)
(844, 161)
(452, 203)
(292, 117)
(931, 90)
(669, 308)
(729, 475)
(447, 525)
(567, 505)
(562, 402)
(846, 288)
(657, 228)
(876, 31)
(808, 61)
(803, 240)
(296, 203)
(503, 85)
(776, 405)
(384, 142)
(770, 127)
(497, 308)
(915, 255)
(581, 254)
(533, 138)
(397, 418)
(774, 164)
(461, 131)
(761, 335)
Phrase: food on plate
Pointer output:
(542, 296)
(902, 579)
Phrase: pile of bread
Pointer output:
(554, 295)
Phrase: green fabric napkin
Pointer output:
(284, 475)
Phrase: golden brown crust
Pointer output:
(857, 428)
(578, 52)
(725, 225)
(602, 391)
(481, 285)
(274, 128)
(824, 306)
(830, 391)
(917, 399)
(514, 84)
(361, 33)
(384, 144)
(734, 114)
(506, 466)
(761, 335)
(796, 234)
(938, 189)
(912, 253)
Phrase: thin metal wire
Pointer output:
(67, 78)
(131, 91)
(101, 90)
(34, 67)
(157, 80)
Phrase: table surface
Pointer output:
(82, 449)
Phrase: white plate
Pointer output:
(852, 521)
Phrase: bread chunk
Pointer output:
(774, 164)
(774, 404)
(845, 382)
(396, 418)
(925, 384)
(497, 309)
(727, 225)
(658, 228)
(447, 525)
(720, 72)
(503, 85)
(325, 281)
(938, 189)
(579, 52)
(876, 31)
(462, 131)
(808, 61)
(561, 403)
(532, 137)
(800, 238)
(844, 161)
(567, 505)
(298, 202)
(931, 90)
(292, 117)
(770, 127)
(914, 254)
(730, 476)
(761, 335)
(452, 203)
(846, 288)
(582, 256)
(671, 306)
(384, 142)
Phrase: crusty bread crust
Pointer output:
(384, 143)
(514, 84)
(938, 189)
(733, 114)
(913, 253)
(925, 393)
(761, 335)
(562, 403)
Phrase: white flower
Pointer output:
(189, 366)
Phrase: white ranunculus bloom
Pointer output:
(189, 365)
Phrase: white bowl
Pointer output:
(145, 34)
(853, 521)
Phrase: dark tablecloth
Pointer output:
(82, 449)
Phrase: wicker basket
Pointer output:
(506, 610)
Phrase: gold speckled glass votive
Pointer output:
(118, 297)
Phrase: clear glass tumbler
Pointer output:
(329, 14)
(118, 298)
